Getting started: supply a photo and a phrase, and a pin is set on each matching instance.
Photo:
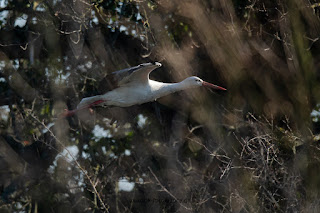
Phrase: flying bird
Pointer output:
(132, 86)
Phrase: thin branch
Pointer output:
(167, 191)
(105, 207)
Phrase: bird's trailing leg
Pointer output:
(68, 113)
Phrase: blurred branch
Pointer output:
(167, 191)
(93, 185)
(268, 54)
(17, 83)
(16, 165)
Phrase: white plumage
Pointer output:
(132, 86)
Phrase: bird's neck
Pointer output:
(162, 89)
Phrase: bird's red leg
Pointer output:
(95, 103)
(68, 113)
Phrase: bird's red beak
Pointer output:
(212, 86)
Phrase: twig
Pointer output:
(166, 190)
(106, 208)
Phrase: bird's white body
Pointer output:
(132, 94)
(135, 87)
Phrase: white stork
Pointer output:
(132, 86)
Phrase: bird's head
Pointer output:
(194, 81)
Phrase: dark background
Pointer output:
(254, 148)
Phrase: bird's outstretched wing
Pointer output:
(119, 78)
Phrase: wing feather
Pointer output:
(119, 78)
